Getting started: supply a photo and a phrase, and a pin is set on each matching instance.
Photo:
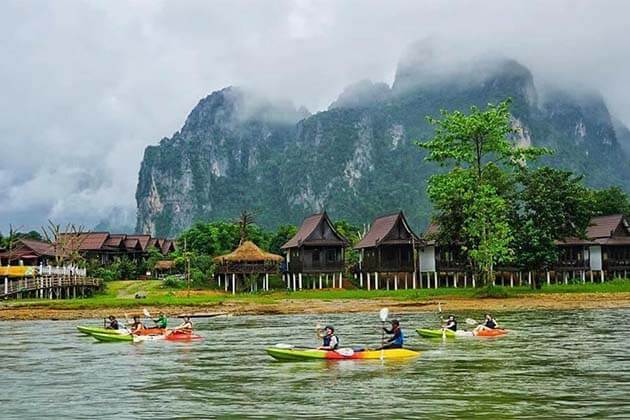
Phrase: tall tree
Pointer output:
(611, 200)
(553, 204)
(469, 199)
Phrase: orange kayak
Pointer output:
(151, 331)
(490, 332)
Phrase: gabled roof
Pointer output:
(115, 240)
(382, 227)
(307, 234)
(143, 240)
(132, 244)
(167, 246)
(86, 241)
(38, 247)
(605, 226)
(248, 252)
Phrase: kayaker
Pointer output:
(161, 320)
(137, 325)
(450, 324)
(185, 326)
(488, 323)
(113, 323)
(330, 340)
(397, 340)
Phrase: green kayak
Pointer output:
(436, 333)
(100, 330)
(113, 337)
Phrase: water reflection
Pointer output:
(566, 364)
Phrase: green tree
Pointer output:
(280, 237)
(553, 204)
(469, 199)
(611, 200)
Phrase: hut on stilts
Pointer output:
(246, 262)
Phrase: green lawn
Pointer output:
(120, 294)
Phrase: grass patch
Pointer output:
(119, 294)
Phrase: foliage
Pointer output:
(282, 234)
(611, 200)
(553, 204)
(219, 237)
(471, 200)
(353, 234)
(173, 282)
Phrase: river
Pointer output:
(558, 364)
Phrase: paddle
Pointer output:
(383, 314)
(471, 321)
(291, 346)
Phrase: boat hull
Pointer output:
(341, 354)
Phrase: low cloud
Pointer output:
(87, 85)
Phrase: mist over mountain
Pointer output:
(357, 159)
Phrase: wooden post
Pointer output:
(529, 277)
(341, 280)
(548, 279)
(376, 281)
(226, 282)
(473, 281)
(405, 281)
(368, 281)
(300, 280)
(435, 279)
(233, 283)
(455, 279)
(267, 281)
(320, 280)
(294, 283)
(601, 274)
(583, 276)
(326, 280)
(511, 279)
(6, 285)
(361, 279)
(414, 278)
(465, 279)
(395, 281)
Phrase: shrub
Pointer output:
(491, 291)
(173, 282)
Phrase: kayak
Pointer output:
(182, 336)
(489, 332)
(436, 333)
(109, 338)
(341, 354)
(100, 330)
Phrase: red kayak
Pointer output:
(182, 336)
(490, 332)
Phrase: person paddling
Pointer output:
(185, 327)
(137, 325)
(450, 324)
(489, 323)
(113, 323)
(330, 340)
(396, 341)
(161, 320)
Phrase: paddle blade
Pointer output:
(384, 314)
(146, 313)
(284, 346)
(471, 321)
(439, 307)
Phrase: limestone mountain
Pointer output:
(357, 159)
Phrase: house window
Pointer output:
(331, 255)
(315, 255)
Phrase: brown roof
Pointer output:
(143, 240)
(308, 228)
(132, 244)
(604, 226)
(164, 265)
(381, 227)
(87, 241)
(167, 246)
(29, 247)
(248, 252)
(115, 240)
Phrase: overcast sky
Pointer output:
(85, 86)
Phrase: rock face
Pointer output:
(358, 159)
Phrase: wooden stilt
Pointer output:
(361, 279)
(473, 281)
(300, 280)
(548, 279)
(376, 280)
(465, 280)
(320, 280)
(233, 283)
(368, 281)
(435, 279)
(405, 281)
(414, 279)
(511, 279)
(395, 281)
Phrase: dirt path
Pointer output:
(313, 306)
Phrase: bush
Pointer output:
(173, 282)
(491, 291)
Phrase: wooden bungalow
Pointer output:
(388, 248)
(28, 252)
(248, 260)
(605, 250)
(316, 249)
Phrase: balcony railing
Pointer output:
(617, 264)
(572, 264)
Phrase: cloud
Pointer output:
(87, 85)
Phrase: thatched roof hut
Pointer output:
(246, 261)
(248, 252)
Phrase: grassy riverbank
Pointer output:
(119, 296)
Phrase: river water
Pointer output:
(559, 364)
